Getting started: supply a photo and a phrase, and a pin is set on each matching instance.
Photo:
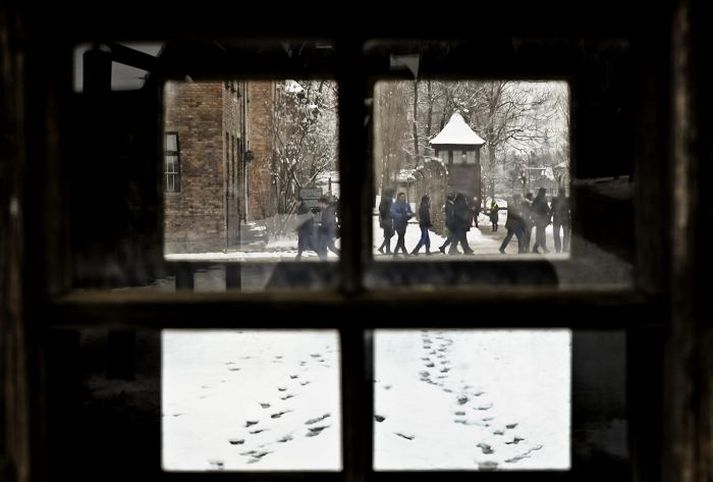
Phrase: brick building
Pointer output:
(217, 169)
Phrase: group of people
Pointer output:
(394, 216)
(317, 228)
(524, 214)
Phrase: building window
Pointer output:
(172, 163)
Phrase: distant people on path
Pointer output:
(401, 213)
(327, 230)
(386, 221)
(528, 222)
(561, 219)
(462, 220)
(514, 224)
(493, 214)
(542, 217)
(305, 228)
(424, 222)
(450, 221)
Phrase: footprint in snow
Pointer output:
(230, 363)
(448, 390)
(430, 365)
(284, 439)
(315, 355)
(445, 370)
(234, 369)
(487, 449)
(264, 405)
(406, 436)
(236, 441)
(306, 382)
(314, 431)
(512, 425)
(318, 419)
(525, 455)
(484, 407)
(259, 430)
(282, 389)
(256, 457)
(288, 396)
(279, 414)
(217, 464)
(459, 413)
(515, 441)
(294, 376)
(462, 400)
(379, 418)
(499, 432)
(250, 423)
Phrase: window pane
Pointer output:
(472, 400)
(281, 199)
(171, 142)
(251, 400)
(508, 161)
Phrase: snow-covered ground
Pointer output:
(250, 400)
(478, 400)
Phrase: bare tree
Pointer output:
(303, 127)
(390, 131)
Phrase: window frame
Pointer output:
(134, 310)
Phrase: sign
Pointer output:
(310, 196)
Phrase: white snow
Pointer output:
(474, 400)
(457, 132)
(215, 384)
(293, 87)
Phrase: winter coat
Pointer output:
(541, 212)
(494, 213)
(328, 220)
(560, 210)
(305, 220)
(450, 215)
(385, 219)
(424, 215)
(463, 215)
(401, 213)
(514, 221)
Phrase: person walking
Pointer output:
(475, 207)
(450, 221)
(462, 221)
(527, 221)
(386, 222)
(424, 222)
(514, 224)
(401, 213)
(493, 214)
(327, 229)
(541, 216)
(305, 228)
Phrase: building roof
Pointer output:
(457, 132)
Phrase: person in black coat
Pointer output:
(327, 230)
(424, 222)
(386, 222)
(401, 213)
(541, 215)
(527, 221)
(514, 224)
(462, 220)
(561, 219)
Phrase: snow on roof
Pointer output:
(457, 132)
(293, 87)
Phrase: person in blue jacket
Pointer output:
(401, 213)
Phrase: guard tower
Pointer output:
(458, 147)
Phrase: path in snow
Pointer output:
(472, 400)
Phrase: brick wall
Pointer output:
(195, 217)
(262, 202)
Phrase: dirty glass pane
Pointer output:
(250, 400)
(471, 168)
(259, 174)
(472, 399)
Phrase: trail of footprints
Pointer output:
(292, 387)
(436, 348)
